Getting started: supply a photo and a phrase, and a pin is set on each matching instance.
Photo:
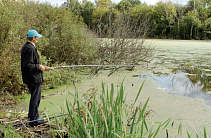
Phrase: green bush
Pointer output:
(64, 40)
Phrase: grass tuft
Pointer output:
(108, 116)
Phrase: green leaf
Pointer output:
(139, 92)
(142, 126)
(145, 124)
(205, 133)
(157, 131)
(132, 126)
(180, 129)
(143, 110)
(197, 136)
(150, 133)
(111, 95)
(188, 135)
(167, 123)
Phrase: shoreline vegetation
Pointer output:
(71, 37)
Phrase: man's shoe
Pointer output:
(37, 123)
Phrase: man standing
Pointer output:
(32, 73)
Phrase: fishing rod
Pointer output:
(42, 119)
(74, 66)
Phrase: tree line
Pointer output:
(167, 20)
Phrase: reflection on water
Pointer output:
(190, 68)
(195, 83)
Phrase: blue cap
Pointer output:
(32, 33)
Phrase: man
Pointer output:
(32, 73)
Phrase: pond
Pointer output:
(189, 65)
(183, 84)
(183, 73)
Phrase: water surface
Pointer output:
(182, 68)
(181, 84)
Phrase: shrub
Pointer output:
(64, 40)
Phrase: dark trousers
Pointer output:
(34, 102)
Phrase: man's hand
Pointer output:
(42, 68)
(47, 68)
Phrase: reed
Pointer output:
(108, 116)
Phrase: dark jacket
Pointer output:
(31, 74)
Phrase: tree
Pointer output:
(180, 9)
(125, 5)
(87, 9)
(159, 20)
(134, 2)
(138, 14)
(190, 22)
(118, 49)
(193, 5)
(73, 6)
(103, 17)
(170, 13)
(104, 3)
(207, 14)
(206, 3)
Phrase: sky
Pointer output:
(149, 2)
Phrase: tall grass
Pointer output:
(108, 117)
